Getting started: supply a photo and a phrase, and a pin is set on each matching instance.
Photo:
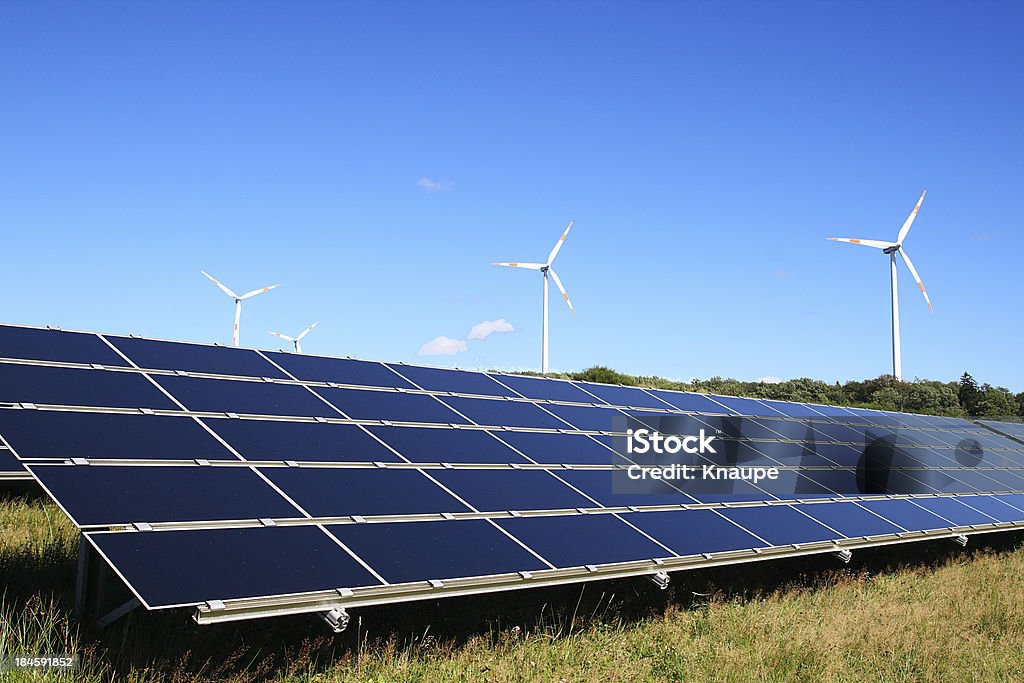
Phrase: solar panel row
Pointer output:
(126, 352)
(254, 562)
(279, 482)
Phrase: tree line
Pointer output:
(963, 398)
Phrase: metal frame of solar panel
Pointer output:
(246, 483)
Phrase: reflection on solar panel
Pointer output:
(244, 483)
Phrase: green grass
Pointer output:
(925, 611)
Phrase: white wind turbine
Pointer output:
(296, 340)
(892, 248)
(546, 268)
(238, 301)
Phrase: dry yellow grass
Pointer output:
(958, 618)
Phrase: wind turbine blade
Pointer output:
(222, 287)
(258, 291)
(307, 330)
(917, 279)
(877, 244)
(910, 219)
(530, 266)
(282, 336)
(558, 283)
(558, 245)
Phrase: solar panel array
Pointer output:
(246, 483)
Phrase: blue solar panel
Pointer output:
(460, 382)
(337, 492)
(993, 507)
(580, 540)
(421, 551)
(8, 463)
(782, 525)
(420, 444)
(546, 389)
(955, 511)
(222, 564)
(94, 495)
(694, 532)
(1013, 429)
(842, 414)
(215, 360)
(1015, 500)
(744, 406)
(578, 449)
(589, 419)
(363, 404)
(621, 492)
(906, 514)
(726, 491)
(839, 433)
(794, 409)
(52, 345)
(78, 387)
(496, 490)
(701, 403)
(61, 434)
(252, 398)
(505, 413)
(624, 396)
(300, 441)
(850, 519)
(339, 370)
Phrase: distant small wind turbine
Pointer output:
(546, 268)
(295, 340)
(891, 248)
(238, 301)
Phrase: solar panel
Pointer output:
(245, 483)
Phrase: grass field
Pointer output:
(925, 611)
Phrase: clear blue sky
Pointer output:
(705, 151)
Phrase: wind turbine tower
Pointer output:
(545, 268)
(893, 248)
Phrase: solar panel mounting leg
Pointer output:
(336, 618)
(116, 613)
(92, 576)
(843, 555)
(659, 579)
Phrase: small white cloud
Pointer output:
(770, 379)
(434, 185)
(442, 346)
(485, 329)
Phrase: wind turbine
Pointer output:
(546, 268)
(892, 248)
(295, 340)
(238, 301)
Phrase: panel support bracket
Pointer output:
(336, 618)
(659, 579)
(843, 555)
(960, 540)
(116, 613)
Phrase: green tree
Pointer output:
(969, 394)
(997, 402)
(603, 375)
